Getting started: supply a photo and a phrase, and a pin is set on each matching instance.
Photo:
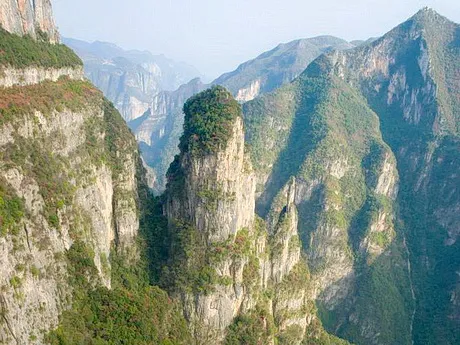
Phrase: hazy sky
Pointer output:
(216, 35)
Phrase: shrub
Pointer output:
(209, 119)
(20, 52)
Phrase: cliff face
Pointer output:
(224, 264)
(360, 130)
(218, 194)
(35, 75)
(158, 132)
(59, 188)
(68, 177)
(32, 18)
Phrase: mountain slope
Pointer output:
(373, 192)
(73, 206)
(238, 280)
(278, 66)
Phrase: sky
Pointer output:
(216, 36)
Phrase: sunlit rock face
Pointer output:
(34, 18)
(211, 198)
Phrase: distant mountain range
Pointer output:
(323, 211)
(130, 78)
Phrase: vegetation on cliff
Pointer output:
(131, 312)
(209, 119)
(21, 52)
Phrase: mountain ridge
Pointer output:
(401, 78)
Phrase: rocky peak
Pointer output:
(211, 185)
(428, 14)
(34, 18)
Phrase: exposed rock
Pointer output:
(33, 276)
(255, 77)
(23, 17)
(35, 75)
(215, 194)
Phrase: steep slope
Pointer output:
(381, 240)
(157, 130)
(262, 74)
(321, 130)
(130, 79)
(72, 206)
(34, 18)
(278, 66)
(238, 282)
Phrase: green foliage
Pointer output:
(121, 316)
(301, 130)
(20, 52)
(83, 272)
(189, 268)
(297, 279)
(315, 335)
(46, 97)
(15, 282)
(209, 120)
(330, 139)
(291, 335)
(11, 209)
(254, 328)
(131, 313)
(47, 169)
(118, 138)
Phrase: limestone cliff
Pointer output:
(159, 130)
(33, 18)
(224, 262)
(69, 171)
(62, 176)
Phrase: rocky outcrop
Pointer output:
(218, 194)
(211, 203)
(35, 75)
(56, 165)
(33, 18)
(249, 93)
(251, 79)
(159, 130)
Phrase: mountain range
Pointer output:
(130, 78)
(322, 210)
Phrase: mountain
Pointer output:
(324, 212)
(238, 280)
(260, 75)
(278, 66)
(73, 202)
(130, 79)
(371, 136)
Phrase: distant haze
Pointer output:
(216, 35)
